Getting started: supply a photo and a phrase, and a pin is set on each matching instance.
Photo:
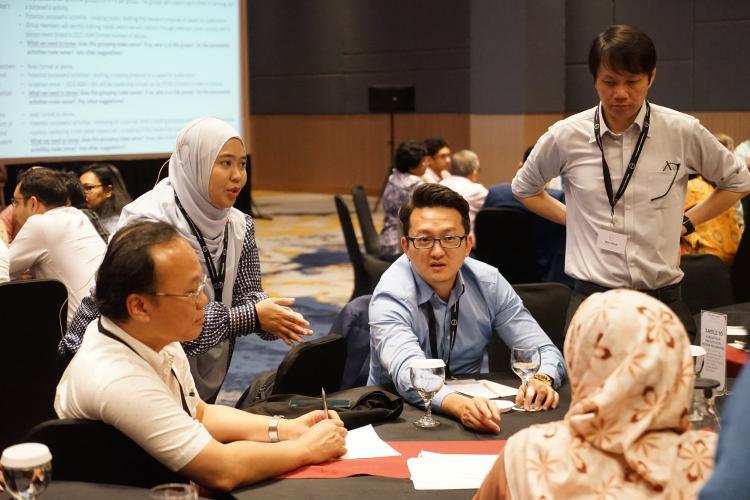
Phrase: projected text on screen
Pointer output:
(113, 77)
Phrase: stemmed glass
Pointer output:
(427, 378)
(26, 469)
(525, 362)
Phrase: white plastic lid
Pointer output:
(427, 363)
(25, 456)
(696, 350)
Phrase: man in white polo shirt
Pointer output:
(626, 164)
(55, 241)
(131, 372)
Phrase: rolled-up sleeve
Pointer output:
(543, 164)
(716, 163)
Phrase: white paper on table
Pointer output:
(481, 388)
(714, 341)
(364, 442)
(735, 331)
(447, 471)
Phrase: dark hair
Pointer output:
(527, 153)
(109, 176)
(409, 155)
(434, 144)
(623, 49)
(76, 196)
(434, 195)
(49, 186)
(128, 266)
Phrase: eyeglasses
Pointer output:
(447, 242)
(89, 187)
(192, 295)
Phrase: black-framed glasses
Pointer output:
(89, 187)
(195, 294)
(425, 243)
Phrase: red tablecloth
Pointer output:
(394, 467)
(736, 359)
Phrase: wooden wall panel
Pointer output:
(736, 125)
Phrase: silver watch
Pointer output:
(273, 428)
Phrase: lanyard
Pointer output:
(433, 334)
(217, 278)
(111, 335)
(613, 199)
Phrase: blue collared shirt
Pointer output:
(399, 330)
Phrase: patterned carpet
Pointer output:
(302, 255)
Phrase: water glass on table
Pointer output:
(427, 378)
(26, 469)
(174, 491)
(525, 362)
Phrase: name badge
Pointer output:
(611, 241)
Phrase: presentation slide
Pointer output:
(113, 77)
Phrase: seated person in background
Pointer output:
(8, 219)
(464, 180)
(730, 478)
(77, 199)
(626, 432)
(439, 161)
(106, 193)
(431, 280)
(410, 162)
(132, 373)
(55, 241)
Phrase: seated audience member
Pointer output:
(626, 432)
(106, 193)
(8, 218)
(439, 161)
(77, 199)
(730, 478)
(132, 373)
(410, 163)
(464, 180)
(4, 262)
(55, 241)
(431, 280)
(206, 173)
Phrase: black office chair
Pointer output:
(85, 450)
(548, 305)
(706, 284)
(505, 239)
(367, 269)
(353, 324)
(366, 225)
(33, 317)
(740, 270)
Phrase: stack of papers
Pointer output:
(441, 471)
(364, 442)
(481, 388)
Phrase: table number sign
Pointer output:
(714, 341)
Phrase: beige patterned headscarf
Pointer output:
(625, 435)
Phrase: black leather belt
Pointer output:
(669, 293)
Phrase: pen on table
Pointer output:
(325, 402)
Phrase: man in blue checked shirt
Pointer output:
(436, 281)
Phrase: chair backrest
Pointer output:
(548, 305)
(366, 225)
(505, 239)
(86, 450)
(32, 313)
(706, 284)
(311, 365)
(353, 324)
(740, 270)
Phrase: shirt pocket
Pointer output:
(662, 187)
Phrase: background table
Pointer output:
(402, 429)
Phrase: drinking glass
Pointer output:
(699, 355)
(26, 469)
(427, 378)
(174, 491)
(525, 362)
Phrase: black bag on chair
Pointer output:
(357, 406)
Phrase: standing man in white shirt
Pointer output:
(55, 241)
(439, 156)
(626, 163)
(464, 180)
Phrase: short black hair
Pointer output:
(109, 176)
(434, 195)
(76, 196)
(435, 144)
(527, 153)
(409, 155)
(622, 48)
(47, 185)
(128, 266)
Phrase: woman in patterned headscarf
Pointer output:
(626, 433)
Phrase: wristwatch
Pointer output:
(543, 377)
(273, 428)
(688, 225)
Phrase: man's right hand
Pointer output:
(324, 440)
(277, 317)
(475, 413)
